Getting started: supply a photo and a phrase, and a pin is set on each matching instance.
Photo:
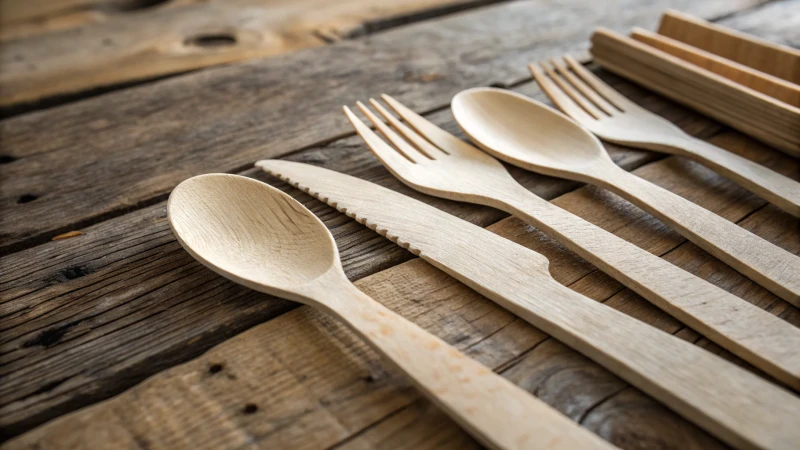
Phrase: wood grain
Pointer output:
(330, 20)
(765, 83)
(184, 35)
(760, 54)
(226, 118)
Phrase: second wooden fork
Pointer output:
(612, 117)
(435, 162)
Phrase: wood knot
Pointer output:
(211, 40)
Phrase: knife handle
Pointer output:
(755, 335)
(737, 406)
(495, 411)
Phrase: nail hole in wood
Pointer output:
(214, 368)
(27, 198)
(211, 40)
(135, 5)
(5, 159)
(250, 408)
(74, 272)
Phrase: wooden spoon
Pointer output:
(258, 236)
(533, 136)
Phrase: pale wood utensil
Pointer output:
(775, 87)
(260, 237)
(749, 111)
(437, 163)
(612, 117)
(730, 402)
(779, 60)
(531, 135)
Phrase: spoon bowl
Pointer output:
(251, 233)
(530, 134)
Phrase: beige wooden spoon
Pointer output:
(531, 135)
(258, 236)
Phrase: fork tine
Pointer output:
(435, 135)
(393, 160)
(588, 92)
(557, 96)
(572, 93)
(614, 97)
(400, 145)
(421, 144)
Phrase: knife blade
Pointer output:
(728, 401)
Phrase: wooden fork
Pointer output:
(612, 117)
(442, 165)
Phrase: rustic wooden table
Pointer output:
(113, 336)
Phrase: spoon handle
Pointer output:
(755, 335)
(777, 189)
(495, 411)
(768, 265)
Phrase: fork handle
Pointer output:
(755, 335)
(495, 411)
(777, 189)
(767, 264)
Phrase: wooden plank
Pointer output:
(760, 54)
(226, 118)
(25, 18)
(315, 385)
(783, 29)
(185, 36)
(773, 86)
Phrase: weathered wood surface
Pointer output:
(315, 385)
(184, 35)
(87, 317)
(145, 140)
(332, 20)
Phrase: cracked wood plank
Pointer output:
(126, 149)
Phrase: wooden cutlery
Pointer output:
(730, 402)
(778, 88)
(614, 118)
(531, 135)
(258, 236)
(768, 57)
(437, 163)
(752, 112)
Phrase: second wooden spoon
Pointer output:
(531, 135)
